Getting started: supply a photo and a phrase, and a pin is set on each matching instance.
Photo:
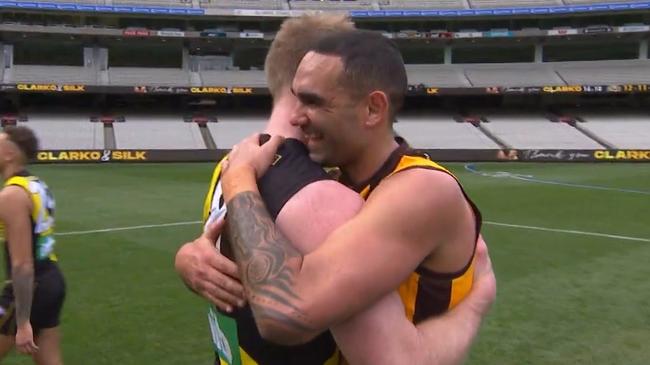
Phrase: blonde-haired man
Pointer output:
(380, 334)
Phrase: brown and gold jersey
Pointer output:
(425, 293)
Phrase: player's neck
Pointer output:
(279, 122)
(371, 159)
(11, 170)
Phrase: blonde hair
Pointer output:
(294, 39)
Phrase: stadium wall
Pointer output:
(446, 155)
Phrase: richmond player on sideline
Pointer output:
(31, 302)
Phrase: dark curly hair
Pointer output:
(25, 139)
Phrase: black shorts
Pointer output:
(49, 293)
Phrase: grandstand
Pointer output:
(65, 131)
(157, 132)
(489, 81)
(340, 4)
(457, 75)
(146, 63)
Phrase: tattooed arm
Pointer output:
(294, 295)
(14, 211)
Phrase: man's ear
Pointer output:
(378, 105)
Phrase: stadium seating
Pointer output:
(441, 131)
(230, 78)
(157, 132)
(481, 4)
(66, 131)
(231, 129)
(162, 3)
(422, 4)
(532, 131)
(620, 128)
(148, 76)
(437, 75)
(243, 4)
(604, 72)
(330, 4)
(582, 2)
(513, 75)
(53, 74)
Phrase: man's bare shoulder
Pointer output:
(13, 199)
(427, 187)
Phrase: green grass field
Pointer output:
(564, 298)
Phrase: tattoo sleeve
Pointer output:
(268, 264)
(23, 283)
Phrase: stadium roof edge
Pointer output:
(414, 13)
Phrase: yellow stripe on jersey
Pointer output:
(462, 285)
(408, 292)
(207, 203)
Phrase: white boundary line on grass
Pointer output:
(557, 230)
(531, 178)
(569, 231)
(130, 228)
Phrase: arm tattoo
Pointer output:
(269, 263)
(23, 283)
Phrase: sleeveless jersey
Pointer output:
(425, 293)
(42, 221)
(235, 337)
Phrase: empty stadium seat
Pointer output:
(513, 75)
(243, 4)
(233, 78)
(53, 74)
(604, 72)
(437, 75)
(482, 4)
(148, 76)
(157, 132)
(620, 128)
(57, 131)
(441, 131)
(532, 131)
(422, 4)
(231, 129)
(330, 4)
(162, 3)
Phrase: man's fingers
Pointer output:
(217, 294)
(272, 145)
(27, 349)
(213, 230)
(218, 283)
(483, 262)
(223, 265)
(219, 303)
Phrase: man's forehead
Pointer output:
(317, 61)
(317, 69)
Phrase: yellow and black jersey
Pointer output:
(425, 293)
(42, 220)
(235, 337)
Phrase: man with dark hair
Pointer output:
(296, 190)
(417, 230)
(31, 302)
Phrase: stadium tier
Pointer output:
(337, 4)
(59, 131)
(456, 75)
(157, 132)
(491, 130)
(618, 128)
(530, 131)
